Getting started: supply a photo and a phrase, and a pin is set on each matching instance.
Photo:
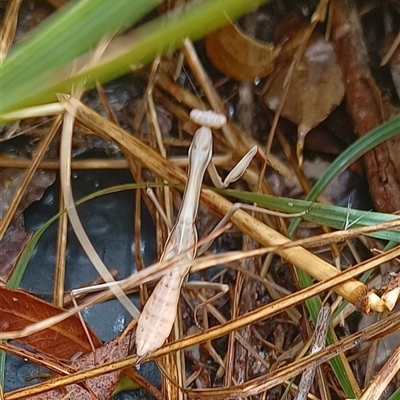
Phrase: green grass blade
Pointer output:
(19, 271)
(3, 356)
(63, 36)
(346, 158)
(162, 35)
(332, 216)
(395, 395)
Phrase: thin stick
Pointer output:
(221, 160)
(391, 51)
(383, 378)
(321, 329)
(59, 275)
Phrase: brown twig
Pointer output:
(364, 104)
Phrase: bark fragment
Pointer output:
(364, 104)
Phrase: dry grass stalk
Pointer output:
(319, 339)
(9, 27)
(43, 361)
(19, 162)
(381, 381)
(59, 273)
(65, 176)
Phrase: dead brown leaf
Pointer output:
(19, 309)
(10, 180)
(237, 55)
(102, 386)
(316, 88)
(11, 245)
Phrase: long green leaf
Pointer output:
(140, 47)
(65, 35)
(351, 154)
(332, 216)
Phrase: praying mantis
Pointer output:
(157, 318)
(158, 315)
